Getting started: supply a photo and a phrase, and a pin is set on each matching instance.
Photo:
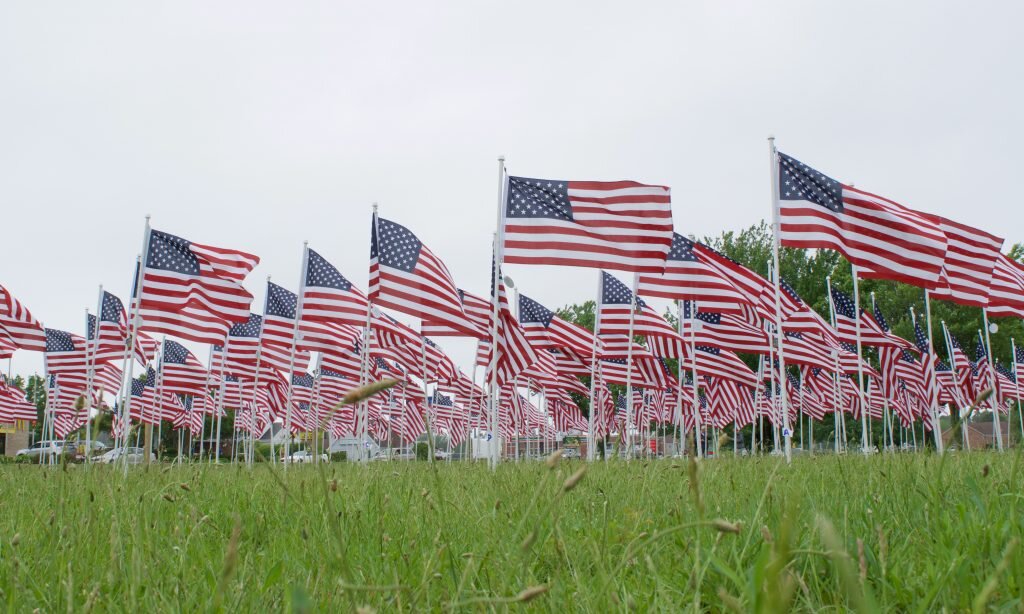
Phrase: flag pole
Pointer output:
(634, 304)
(936, 425)
(956, 380)
(836, 410)
(426, 400)
(992, 380)
(591, 431)
(698, 429)
(256, 383)
(680, 374)
(860, 365)
(886, 419)
(1016, 381)
(776, 243)
(133, 329)
(758, 429)
(499, 239)
(91, 370)
(291, 357)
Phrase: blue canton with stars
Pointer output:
(682, 249)
(111, 309)
(790, 292)
(175, 353)
(280, 302)
(843, 304)
(322, 274)
(304, 380)
(882, 323)
(250, 328)
(538, 198)
(920, 338)
(59, 341)
(614, 292)
(394, 246)
(709, 317)
(170, 253)
(532, 312)
(440, 399)
(91, 325)
(797, 181)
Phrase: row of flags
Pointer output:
(294, 360)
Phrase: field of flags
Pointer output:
(291, 360)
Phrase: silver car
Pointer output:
(132, 456)
(45, 448)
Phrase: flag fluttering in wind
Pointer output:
(19, 327)
(192, 291)
(692, 273)
(1006, 292)
(407, 277)
(971, 256)
(619, 225)
(872, 232)
(545, 329)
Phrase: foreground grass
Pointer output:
(907, 532)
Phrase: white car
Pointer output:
(303, 456)
(43, 449)
(132, 456)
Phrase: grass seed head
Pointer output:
(16, 539)
(724, 526)
(364, 392)
(553, 458)
(531, 592)
(574, 479)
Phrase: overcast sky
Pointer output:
(257, 125)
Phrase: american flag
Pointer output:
(970, 259)
(412, 424)
(720, 363)
(110, 343)
(617, 302)
(406, 276)
(515, 352)
(328, 296)
(871, 333)
(479, 311)
(545, 329)
(1006, 292)
(13, 403)
(180, 371)
(244, 347)
(723, 331)
(191, 419)
(809, 351)
(20, 327)
(620, 225)
(928, 359)
(1018, 361)
(691, 276)
(192, 291)
(278, 330)
(7, 345)
(874, 233)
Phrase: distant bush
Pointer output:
(422, 451)
(339, 457)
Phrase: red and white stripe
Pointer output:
(22, 329)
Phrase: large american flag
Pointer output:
(691, 276)
(278, 332)
(619, 225)
(328, 296)
(872, 232)
(17, 322)
(192, 291)
(545, 329)
(406, 276)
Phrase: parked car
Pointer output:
(83, 448)
(133, 456)
(44, 448)
(304, 456)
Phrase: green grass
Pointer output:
(907, 532)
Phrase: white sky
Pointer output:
(256, 125)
